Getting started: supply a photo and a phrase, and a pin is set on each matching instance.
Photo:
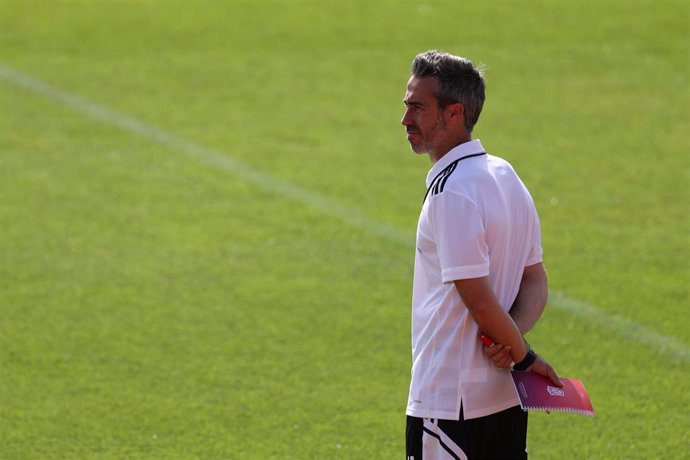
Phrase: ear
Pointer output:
(455, 111)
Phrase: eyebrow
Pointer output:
(413, 102)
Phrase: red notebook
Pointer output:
(538, 393)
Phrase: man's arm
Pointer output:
(480, 299)
(526, 310)
(531, 298)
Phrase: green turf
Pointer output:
(154, 306)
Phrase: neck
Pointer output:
(435, 156)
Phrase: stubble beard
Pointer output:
(430, 141)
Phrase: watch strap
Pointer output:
(526, 362)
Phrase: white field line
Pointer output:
(204, 155)
(628, 329)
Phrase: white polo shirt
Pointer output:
(478, 219)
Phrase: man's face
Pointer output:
(423, 121)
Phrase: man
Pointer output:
(478, 254)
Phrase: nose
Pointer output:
(405, 120)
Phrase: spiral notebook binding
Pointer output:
(560, 409)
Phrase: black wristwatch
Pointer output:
(527, 362)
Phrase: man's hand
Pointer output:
(541, 367)
(499, 355)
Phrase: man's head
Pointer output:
(444, 98)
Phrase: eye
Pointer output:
(414, 106)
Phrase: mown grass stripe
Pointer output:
(630, 330)
(205, 155)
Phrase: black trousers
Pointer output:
(502, 435)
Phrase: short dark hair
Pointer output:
(458, 80)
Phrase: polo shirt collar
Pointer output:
(457, 152)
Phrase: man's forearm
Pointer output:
(531, 298)
(479, 298)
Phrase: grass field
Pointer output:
(207, 215)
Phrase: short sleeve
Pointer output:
(459, 232)
(536, 254)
